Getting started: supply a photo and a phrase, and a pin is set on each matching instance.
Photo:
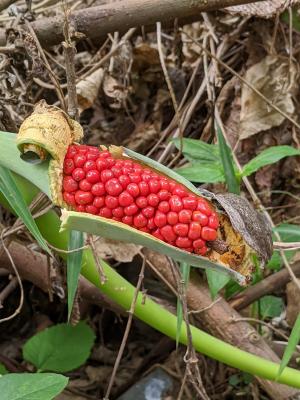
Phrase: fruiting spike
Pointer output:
(120, 189)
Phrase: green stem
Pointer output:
(121, 291)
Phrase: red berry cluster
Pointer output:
(125, 191)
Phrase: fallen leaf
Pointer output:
(293, 303)
(115, 92)
(87, 89)
(274, 78)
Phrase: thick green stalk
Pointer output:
(121, 291)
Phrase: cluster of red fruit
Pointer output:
(123, 190)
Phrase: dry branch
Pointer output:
(217, 319)
(96, 22)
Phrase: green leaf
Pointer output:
(270, 306)
(198, 150)
(228, 166)
(269, 156)
(291, 346)
(37, 174)
(74, 259)
(12, 194)
(60, 348)
(216, 282)
(31, 386)
(295, 19)
(202, 172)
(3, 370)
(288, 233)
(115, 230)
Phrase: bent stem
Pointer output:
(122, 292)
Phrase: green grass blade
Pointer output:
(74, 259)
(269, 156)
(291, 346)
(10, 191)
(228, 166)
(185, 274)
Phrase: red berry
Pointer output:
(124, 180)
(195, 230)
(172, 185)
(175, 203)
(83, 198)
(154, 185)
(141, 202)
(181, 229)
(113, 187)
(164, 194)
(78, 174)
(148, 211)
(201, 250)
(137, 168)
(69, 184)
(89, 165)
(72, 151)
(127, 170)
(172, 218)
(164, 206)
(98, 189)
(213, 221)
(116, 171)
(198, 244)
(101, 164)
(93, 176)
(131, 210)
(139, 221)
(105, 212)
(135, 177)
(128, 163)
(125, 199)
(92, 155)
(201, 218)
(110, 162)
(85, 185)
(106, 175)
(185, 216)
(104, 154)
(157, 234)
(98, 201)
(133, 189)
(79, 160)
(151, 225)
(144, 229)
(118, 212)
(160, 219)
(183, 242)
(208, 233)
(204, 207)
(111, 202)
(167, 233)
(153, 200)
(164, 184)
(80, 208)
(69, 198)
(82, 149)
(146, 177)
(127, 219)
(91, 209)
(179, 191)
(144, 188)
(68, 166)
(190, 203)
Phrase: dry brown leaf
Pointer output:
(144, 56)
(293, 303)
(114, 91)
(87, 89)
(119, 251)
(263, 9)
(274, 78)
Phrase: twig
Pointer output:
(258, 321)
(18, 309)
(8, 290)
(127, 330)
(102, 275)
(69, 53)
